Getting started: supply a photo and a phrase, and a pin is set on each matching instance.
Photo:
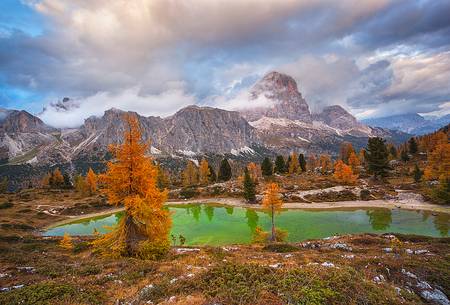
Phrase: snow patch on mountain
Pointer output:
(243, 150)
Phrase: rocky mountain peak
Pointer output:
(337, 117)
(14, 121)
(283, 100)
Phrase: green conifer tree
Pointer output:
(224, 171)
(249, 187)
(267, 167)
(377, 157)
(280, 165)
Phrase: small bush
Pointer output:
(154, 250)
(188, 193)
(365, 195)
(81, 246)
(6, 205)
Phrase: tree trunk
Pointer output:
(273, 226)
(133, 235)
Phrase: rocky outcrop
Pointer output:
(337, 117)
(282, 98)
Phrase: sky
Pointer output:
(373, 57)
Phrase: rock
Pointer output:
(378, 279)
(387, 250)
(341, 246)
(186, 250)
(5, 289)
(409, 274)
(348, 256)
(409, 251)
(435, 295)
(327, 264)
(277, 265)
(27, 269)
(418, 252)
(288, 256)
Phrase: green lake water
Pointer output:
(218, 225)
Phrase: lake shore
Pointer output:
(237, 202)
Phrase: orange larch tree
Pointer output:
(190, 174)
(131, 181)
(272, 203)
(293, 164)
(343, 173)
(204, 172)
(254, 171)
(438, 162)
(91, 181)
(353, 162)
(57, 179)
(325, 164)
(345, 151)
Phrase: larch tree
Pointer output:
(312, 162)
(326, 164)
(294, 165)
(353, 162)
(438, 163)
(66, 242)
(345, 151)
(57, 179)
(143, 231)
(343, 173)
(91, 181)
(254, 171)
(204, 172)
(212, 174)
(272, 203)
(190, 174)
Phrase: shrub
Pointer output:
(6, 205)
(281, 248)
(364, 195)
(153, 250)
(188, 193)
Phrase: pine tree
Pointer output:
(343, 173)
(249, 187)
(294, 165)
(224, 171)
(162, 178)
(280, 165)
(4, 185)
(302, 162)
(190, 174)
(417, 173)
(267, 167)
(404, 155)
(67, 183)
(272, 203)
(66, 242)
(204, 172)
(144, 229)
(377, 157)
(91, 181)
(412, 146)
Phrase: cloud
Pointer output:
(163, 104)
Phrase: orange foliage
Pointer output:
(131, 181)
(66, 242)
(343, 173)
(438, 166)
(254, 171)
(190, 174)
(204, 172)
(294, 165)
(325, 163)
(345, 151)
(272, 203)
(91, 181)
(353, 162)
(57, 178)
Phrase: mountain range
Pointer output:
(412, 123)
(284, 125)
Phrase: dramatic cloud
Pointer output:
(367, 57)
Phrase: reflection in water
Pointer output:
(425, 215)
(209, 211)
(196, 211)
(441, 223)
(252, 219)
(380, 219)
(229, 210)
